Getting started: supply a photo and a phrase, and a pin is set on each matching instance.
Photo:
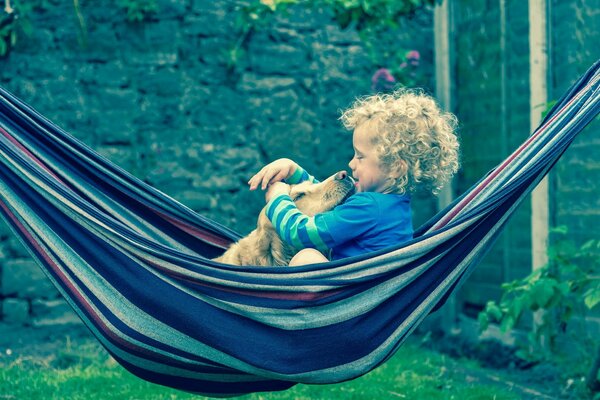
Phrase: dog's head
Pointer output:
(264, 247)
(315, 198)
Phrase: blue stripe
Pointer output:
(303, 235)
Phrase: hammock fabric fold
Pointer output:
(136, 265)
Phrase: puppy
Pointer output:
(264, 247)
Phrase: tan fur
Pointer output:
(264, 247)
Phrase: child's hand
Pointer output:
(275, 189)
(275, 171)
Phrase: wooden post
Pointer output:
(7, 7)
(538, 83)
(443, 34)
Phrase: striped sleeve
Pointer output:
(324, 231)
(296, 228)
(300, 175)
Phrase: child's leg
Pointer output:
(307, 256)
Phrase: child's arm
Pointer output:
(278, 170)
(300, 175)
(323, 231)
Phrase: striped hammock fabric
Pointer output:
(136, 265)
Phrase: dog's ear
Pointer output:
(276, 252)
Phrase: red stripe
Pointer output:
(204, 235)
(30, 155)
(278, 295)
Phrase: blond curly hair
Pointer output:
(415, 139)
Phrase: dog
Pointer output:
(264, 247)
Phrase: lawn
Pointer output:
(83, 370)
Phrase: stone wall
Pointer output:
(157, 98)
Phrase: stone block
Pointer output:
(281, 58)
(196, 200)
(342, 37)
(40, 66)
(172, 8)
(39, 41)
(113, 74)
(304, 18)
(164, 83)
(148, 59)
(250, 82)
(52, 312)
(279, 139)
(208, 23)
(279, 106)
(5, 230)
(161, 35)
(115, 127)
(213, 51)
(118, 99)
(25, 279)
(14, 248)
(120, 155)
(203, 6)
(15, 311)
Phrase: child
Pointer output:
(402, 141)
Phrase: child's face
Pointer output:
(365, 165)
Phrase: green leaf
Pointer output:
(351, 3)
(590, 244)
(518, 305)
(564, 288)
(548, 106)
(523, 354)
(270, 4)
(591, 298)
(493, 310)
(542, 292)
(561, 229)
(508, 322)
(484, 321)
(344, 19)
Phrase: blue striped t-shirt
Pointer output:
(365, 222)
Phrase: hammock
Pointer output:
(135, 264)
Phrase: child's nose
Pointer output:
(341, 175)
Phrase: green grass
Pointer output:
(85, 371)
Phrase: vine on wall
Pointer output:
(566, 289)
(139, 10)
(14, 18)
(370, 18)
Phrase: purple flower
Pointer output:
(382, 80)
(413, 57)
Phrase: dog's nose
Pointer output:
(341, 175)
